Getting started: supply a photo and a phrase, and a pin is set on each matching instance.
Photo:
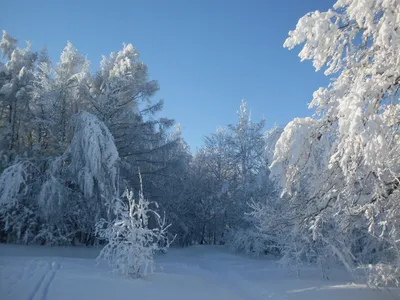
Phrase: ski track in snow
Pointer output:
(42, 288)
(38, 285)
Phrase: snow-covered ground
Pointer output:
(199, 272)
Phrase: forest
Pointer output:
(86, 160)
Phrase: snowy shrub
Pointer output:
(130, 243)
(252, 242)
(264, 236)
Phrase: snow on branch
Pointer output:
(13, 182)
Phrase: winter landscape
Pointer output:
(101, 197)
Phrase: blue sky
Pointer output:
(206, 55)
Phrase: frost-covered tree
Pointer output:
(121, 86)
(130, 241)
(265, 230)
(170, 186)
(41, 105)
(341, 168)
(120, 96)
(79, 183)
(246, 143)
(228, 172)
(69, 138)
(69, 93)
(17, 75)
(214, 172)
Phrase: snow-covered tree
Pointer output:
(69, 93)
(229, 171)
(68, 138)
(120, 96)
(42, 106)
(342, 167)
(121, 86)
(264, 214)
(85, 176)
(14, 96)
(246, 140)
(246, 143)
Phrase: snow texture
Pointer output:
(199, 272)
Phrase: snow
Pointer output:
(198, 272)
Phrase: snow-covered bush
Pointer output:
(130, 241)
(252, 242)
(264, 234)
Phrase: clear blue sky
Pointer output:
(206, 55)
